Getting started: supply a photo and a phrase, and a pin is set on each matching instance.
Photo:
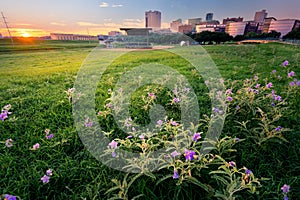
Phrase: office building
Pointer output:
(234, 19)
(174, 25)
(267, 24)
(259, 18)
(153, 19)
(114, 33)
(211, 28)
(284, 26)
(185, 28)
(235, 28)
(252, 26)
(209, 17)
(194, 22)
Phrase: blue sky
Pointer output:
(40, 17)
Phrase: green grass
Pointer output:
(34, 78)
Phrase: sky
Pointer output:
(42, 17)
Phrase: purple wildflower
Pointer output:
(237, 139)
(277, 98)
(256, 91)
(196, 137)
(109, 105)
(229, 91)
(3, 116)
(49, 172)
(219, 93)
(291, 74)
(128, 122)
(9, 197)
(216, 110)
(298, 83)
(129, 136)
(175, 100)
(277, 129)
(45, 179)
(186, 90)
(176, 175)
(279, 77)
(159, 122)
(256, 77)
(269, 85)
(257, 86)
(113, 144)
(151, 95)
(113, 154)
(174, 154)
(285, 63)
(285, 197)
(49, 136)
(237, 107)
(142, 137)
(274, 71)
(189, 155)
(9, 143)
(71, 90)
(248, 171)
(174, 123)
(88, 123)
(36, 146)
(229, 98)
(292, 84)
(232, 164)
(285, 188)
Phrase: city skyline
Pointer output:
(40, 18)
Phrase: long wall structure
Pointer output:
(63, 36)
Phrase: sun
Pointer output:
(26, 34)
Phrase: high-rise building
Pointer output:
(284, 26)
(153, 19)
(234, 19)
(174, 25)
(259, 17)
(209, 17)
(194, 22)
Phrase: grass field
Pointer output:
(35, 78)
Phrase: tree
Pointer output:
(295, 34)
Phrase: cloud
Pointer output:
(133, 23)
(22, 24)
(104, 5)
(87, 24)
(117, 5)
(57, 24)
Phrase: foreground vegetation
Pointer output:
(35, 80)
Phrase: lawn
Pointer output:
(35, 79)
